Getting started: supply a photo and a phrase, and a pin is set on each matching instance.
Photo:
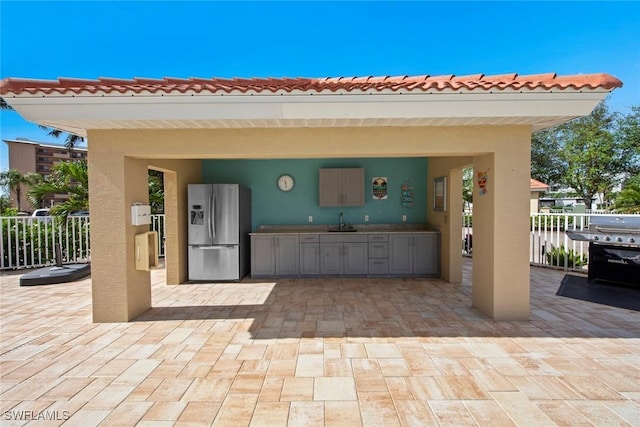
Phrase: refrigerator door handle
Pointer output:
(209, 219)
(212, 217)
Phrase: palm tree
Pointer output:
(69, 142)
(5, 203)
(13, 180)
(4, 105)
(69, 178)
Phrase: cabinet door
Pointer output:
(400, 254)
(356, 259)
(341, 187)
(426, 260)
(287, 255)
(330, 187)
(309, 259)
(353, 187)
(331, 258)
(262, 256)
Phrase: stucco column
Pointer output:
(451, 241)
(178, 174)
(501, 282)
(119, 291)
(448, 222)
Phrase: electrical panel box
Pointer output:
(140, 214)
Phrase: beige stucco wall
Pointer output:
(177, 175)
(119, 160)
(119, 291)
(449, 222)
(500, 232)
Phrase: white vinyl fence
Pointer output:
(549, 245)
(27, 242)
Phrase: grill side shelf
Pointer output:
(580, 236)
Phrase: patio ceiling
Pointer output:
(76, 106)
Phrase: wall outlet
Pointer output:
(404, 218)
(366, 218)
(310, 218)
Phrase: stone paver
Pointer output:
(325, 352)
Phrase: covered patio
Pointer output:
(317, 352)
(175, 124)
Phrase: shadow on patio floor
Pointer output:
(391, 308)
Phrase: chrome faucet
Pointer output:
(340, 222)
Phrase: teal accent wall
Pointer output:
(270, 206)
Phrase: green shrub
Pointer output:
(28, 242)
(557, 257)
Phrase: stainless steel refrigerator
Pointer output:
(219, 226)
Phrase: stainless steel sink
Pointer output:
(348, 229)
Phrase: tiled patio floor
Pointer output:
(318, 352)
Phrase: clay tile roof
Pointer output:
(537, 185)
(422, 83)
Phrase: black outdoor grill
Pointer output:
(614, 248)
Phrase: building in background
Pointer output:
(537, 190)
(32, 156)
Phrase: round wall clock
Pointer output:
(285, 182)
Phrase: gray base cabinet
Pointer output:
(274, 255)
(356, 261)
(378, 254)
(262, 256)
(309, 255)
(426, 254)
(345, 254)
(401, 254)
(414, 254)
(331, 259)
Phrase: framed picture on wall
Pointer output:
(440, 193)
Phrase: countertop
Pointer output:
(360, 228)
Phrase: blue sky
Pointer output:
(50, 39)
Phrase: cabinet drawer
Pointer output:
(309, 238)
(378, 267)
(379, 237)
(379, 250)
(343, 238)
